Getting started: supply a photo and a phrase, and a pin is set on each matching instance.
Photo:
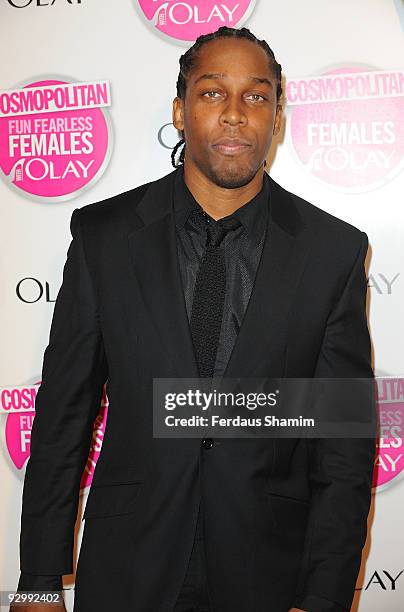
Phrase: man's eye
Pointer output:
(256, 96)
(207, 94)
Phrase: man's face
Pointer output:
(231, 94)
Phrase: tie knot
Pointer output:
(217, 230)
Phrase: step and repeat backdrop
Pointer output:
(86, 90)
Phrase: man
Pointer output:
(213, 269)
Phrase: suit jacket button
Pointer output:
(207, 443)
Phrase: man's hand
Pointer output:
(296, 610)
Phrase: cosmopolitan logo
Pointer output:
(389, 460)
(18, 399)
(57, 137)
(25, 3)
(17, 408)
(185, 21)
(54, 98)
(18, 403)
(347, 127)
(336, 87)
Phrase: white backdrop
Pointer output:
(342, 149)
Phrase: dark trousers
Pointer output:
(193, 596)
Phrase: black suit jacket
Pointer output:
(285, 520)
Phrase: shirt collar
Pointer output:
(252, 215)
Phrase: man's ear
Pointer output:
(278, 120)
(178, 114)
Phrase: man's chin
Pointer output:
(232, 176)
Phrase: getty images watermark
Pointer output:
(265, 407)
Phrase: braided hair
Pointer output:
(187, 63)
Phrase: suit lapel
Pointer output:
(261, 342)
(154, 256)
(263, 331)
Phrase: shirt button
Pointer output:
(207, 443)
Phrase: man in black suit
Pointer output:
(212, 270)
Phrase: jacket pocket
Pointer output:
(287, 498)
(114, 490)
(289, 515)
(111, 500)
(110, 474)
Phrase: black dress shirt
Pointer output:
(243, 248)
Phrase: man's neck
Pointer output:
(217, 201)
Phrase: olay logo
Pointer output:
(24, 3)
(381, 580)
(185, 21)
(383, 283)
(31, 290)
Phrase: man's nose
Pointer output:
(233, 112)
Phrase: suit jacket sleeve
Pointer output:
(340, 469)
(33, 582)
(68, 400)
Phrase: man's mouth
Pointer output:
(231, 146)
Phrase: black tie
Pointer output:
(209, 292)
